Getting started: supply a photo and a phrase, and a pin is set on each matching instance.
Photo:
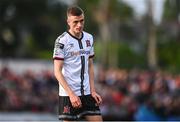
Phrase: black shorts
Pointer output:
(67, 112)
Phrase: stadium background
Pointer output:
(137, 58)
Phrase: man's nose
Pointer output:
(79, 24)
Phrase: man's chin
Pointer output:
(78, 32)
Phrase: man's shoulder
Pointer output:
(61, 38)
(87, 34)
(63, 35)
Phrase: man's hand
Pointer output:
(97, 97)
(75, 101)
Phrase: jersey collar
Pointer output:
(76, 37)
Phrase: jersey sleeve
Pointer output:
(59, 49)
(92, 48)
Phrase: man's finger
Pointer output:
(96, 99)
(100, 100)
(77, 104)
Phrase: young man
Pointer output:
(73, 68)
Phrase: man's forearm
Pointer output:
(91, 76)
(63, 82)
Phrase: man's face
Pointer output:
(76, 23)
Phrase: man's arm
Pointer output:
(96, 96)
(75, 100)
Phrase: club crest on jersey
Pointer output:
(66, 109)
(88, 44)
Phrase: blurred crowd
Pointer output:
(29, 91)
(127, 94)
(139, 94)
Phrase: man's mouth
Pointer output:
(78, 29)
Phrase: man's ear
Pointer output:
(67, 21)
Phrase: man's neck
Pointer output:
(77, 35)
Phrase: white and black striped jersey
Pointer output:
(75, 54)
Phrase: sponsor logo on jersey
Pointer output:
(79, 53)
(59, 45)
